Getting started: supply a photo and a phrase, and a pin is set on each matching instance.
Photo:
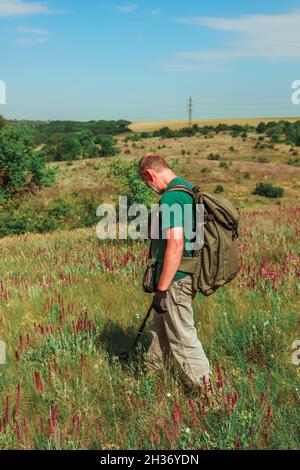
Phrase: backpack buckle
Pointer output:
(209, 218)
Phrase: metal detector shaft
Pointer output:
(142, 327)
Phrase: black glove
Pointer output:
(159, 301)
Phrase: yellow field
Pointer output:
(153, 125)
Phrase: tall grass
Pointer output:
(69, 303)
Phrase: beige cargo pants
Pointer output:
(174, 333)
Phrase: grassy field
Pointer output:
(247, 165)
(69, 303)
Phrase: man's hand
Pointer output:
(159, 301)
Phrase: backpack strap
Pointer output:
(192, 192)
(181, 187)
(151, 257)
(188, 263)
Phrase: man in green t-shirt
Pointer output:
(173, 330)
(172, 207)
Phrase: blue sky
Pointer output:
(141, 60)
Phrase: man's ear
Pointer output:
(149, 175)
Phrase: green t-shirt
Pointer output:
(183, 217)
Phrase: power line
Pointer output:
(190, 105)
(215, 109)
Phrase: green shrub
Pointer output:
(218, 189)
(127, 175)
(261, 127)
(294, 162)
(3, 122)
(108, 146)
(69, 148)
(135, 138)
(145, 135)
(205, 169)
(275, 138)
(259, 145)
(234, 134)
(268, 190)
(21, 168)
(223, 165)
(60, 208)
(131, 185)
(213, 156)
(18, 216)
(164, 132)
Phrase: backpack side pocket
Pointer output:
(149, 278)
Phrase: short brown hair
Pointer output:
(151, 160)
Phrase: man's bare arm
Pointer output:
(172, 258)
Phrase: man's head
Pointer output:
(155, 171)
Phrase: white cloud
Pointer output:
(39, 36)
(22, 8)
(31, 41)
(129, 8)
(41, 32)
(268, 37)
(175, 66)
(12, 8)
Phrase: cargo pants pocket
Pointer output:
(183, 291)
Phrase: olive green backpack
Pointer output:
(217, 262)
